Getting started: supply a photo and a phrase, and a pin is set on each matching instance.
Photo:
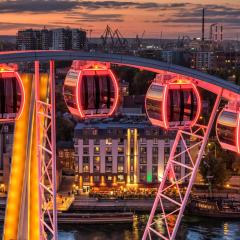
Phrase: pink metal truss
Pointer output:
(46, 153)
(165, 199)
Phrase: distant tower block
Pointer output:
(91, 91)
(12, 95)
(173, 104)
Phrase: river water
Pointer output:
(192, 228)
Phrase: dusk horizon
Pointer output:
(166, 19)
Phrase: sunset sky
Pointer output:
(172, 17)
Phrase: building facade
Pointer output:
(55, 39)
(121, 153)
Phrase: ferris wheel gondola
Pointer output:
(173, 104)
(228, 127)
(12, 94)
(91, 91)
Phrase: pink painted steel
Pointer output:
(201, 134)
(46, 154)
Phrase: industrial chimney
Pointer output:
(203, 24)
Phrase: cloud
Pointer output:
(89, 17)
(44, 6)
(13, 25)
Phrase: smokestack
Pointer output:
(203, 24)
(221, 36)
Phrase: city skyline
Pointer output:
(168, 19)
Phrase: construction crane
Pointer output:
(113, 39)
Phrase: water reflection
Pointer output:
(191, 228)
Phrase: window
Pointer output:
(85, 159)
(96, 159)
(108, 141)
(108, 159)
(166, 150)
(108, 169)
(120, 178)
(85, 141)
(143, 169)
(154, 169)
(109, 178)
(85, 150)
(143, 140)
(143, 160)
(120, 159)
(121, 141)
(96, 178)
(120, 168)
(143, 178)
(154, 150)
(94, 132)
(120, 150)
(108, 150)
(96, 142)
(96, 150)
(76, 150)
(155, 141)
(143, 150)
(96, 168)
(85, 168)
(155, 159)
(85, 178)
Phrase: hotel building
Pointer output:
(121, 153)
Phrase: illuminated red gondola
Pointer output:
(91, 91)
(228, 128)
(12, 96)
(173, 103)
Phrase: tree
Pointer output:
(216, 167)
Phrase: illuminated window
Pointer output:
(96, 150)
(120, 178)
(120, 168)
(96, 159)
(109, 178)
(85, 168)
(120, 150)
(108, 141)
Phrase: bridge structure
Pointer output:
(28, 215)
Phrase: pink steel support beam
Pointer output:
(171, 180)
(46, 150)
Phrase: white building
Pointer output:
(115, 154)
